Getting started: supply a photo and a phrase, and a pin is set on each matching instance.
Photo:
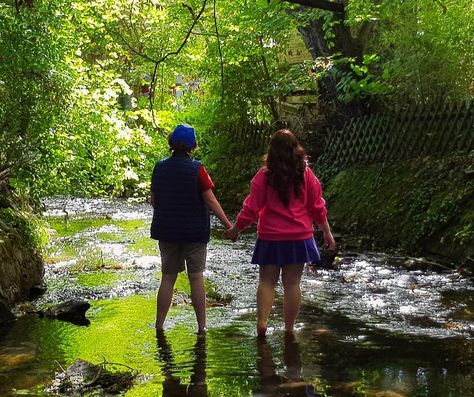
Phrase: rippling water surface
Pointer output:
(366, 328)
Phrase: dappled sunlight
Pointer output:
(366, 327)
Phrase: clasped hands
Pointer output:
(232, 233)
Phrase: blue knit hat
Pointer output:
(184, 133)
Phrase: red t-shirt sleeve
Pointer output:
(205, 181)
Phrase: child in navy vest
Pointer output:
(181, 196)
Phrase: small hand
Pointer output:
(232, 233)
(329, 240)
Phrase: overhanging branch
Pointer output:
(158, 61)
(320, 4)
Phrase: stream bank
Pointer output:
(423, 206)
(21, 241)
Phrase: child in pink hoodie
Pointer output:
(286, 198)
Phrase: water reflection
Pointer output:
(291, 382)
(172, 384)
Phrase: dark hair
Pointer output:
(178, 148)
(286, 163)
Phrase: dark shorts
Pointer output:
(287, 252)
(176, 257)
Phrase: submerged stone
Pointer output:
(37, 290)
(73, 311)
(83, 377)
(6, 316)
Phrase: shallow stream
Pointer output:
(366, 328)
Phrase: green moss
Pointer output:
(28, 225)
(144, 245)
(182, 284)
(94, 259)
(133, 233)
(419, 205)
(72, 226)
(98, 279)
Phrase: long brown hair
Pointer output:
(286, 163)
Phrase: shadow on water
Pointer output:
(172, 372)
(290, 381)
(331, 355)
(365, 329)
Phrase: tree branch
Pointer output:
(442, 5)
(363, 35)
(158, 61)
(320, 4)
(132, 49)
(220, 53)
(187, 35)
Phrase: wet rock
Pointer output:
(84, 378)
(73, 311)
(6, 316)
(327, 259)
(424, 264)
(37, 290)
(395, 261)
(407, 281)
(20, 267)
(11, 359)
(180, 299)
(467, 267)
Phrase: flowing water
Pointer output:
(366, 328)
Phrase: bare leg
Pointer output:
(163, 301)
(267, 282)
(291, 278)
(198, 298)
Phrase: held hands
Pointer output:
(232, 233)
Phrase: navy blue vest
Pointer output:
(180, 214)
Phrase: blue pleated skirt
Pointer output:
(285, 252)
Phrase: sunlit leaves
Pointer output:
(428, 48)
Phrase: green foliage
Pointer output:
(420, 50)
(34, 85)
(73, 116)
(231, 166)
(31, 227)
(428, 48)
(363, 80)
(69, 135)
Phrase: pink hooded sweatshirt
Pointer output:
(277, 222)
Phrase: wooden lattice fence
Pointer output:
(254, 136)
(424, 130)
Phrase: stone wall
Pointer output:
(21, 267)
(423, 206)
(21, 263)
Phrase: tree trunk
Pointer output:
(336, 112)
